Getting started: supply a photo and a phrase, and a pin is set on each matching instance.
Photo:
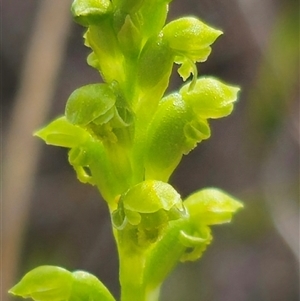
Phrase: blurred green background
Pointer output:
(48, 217)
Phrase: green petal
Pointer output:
(88, 12)
(210, 98)
(93, 61)
(195, 242)
(88, 103)
(87, 287)
(61, 132)
(211, 206)
(190, 36)
(151, 196)
(187, 67)
(45, 283)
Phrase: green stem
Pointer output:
(132, 263)
(131, 277)
(153, 295)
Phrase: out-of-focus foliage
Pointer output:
(276, 84)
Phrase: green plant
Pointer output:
(126, 137)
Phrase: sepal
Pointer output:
(210, 98)
(211, 206)
(89, 103)
(87, 287)
(61, 132)
(87, 12)
(190, 36)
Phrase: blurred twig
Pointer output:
(32, 103)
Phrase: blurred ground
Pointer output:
(253, 154)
